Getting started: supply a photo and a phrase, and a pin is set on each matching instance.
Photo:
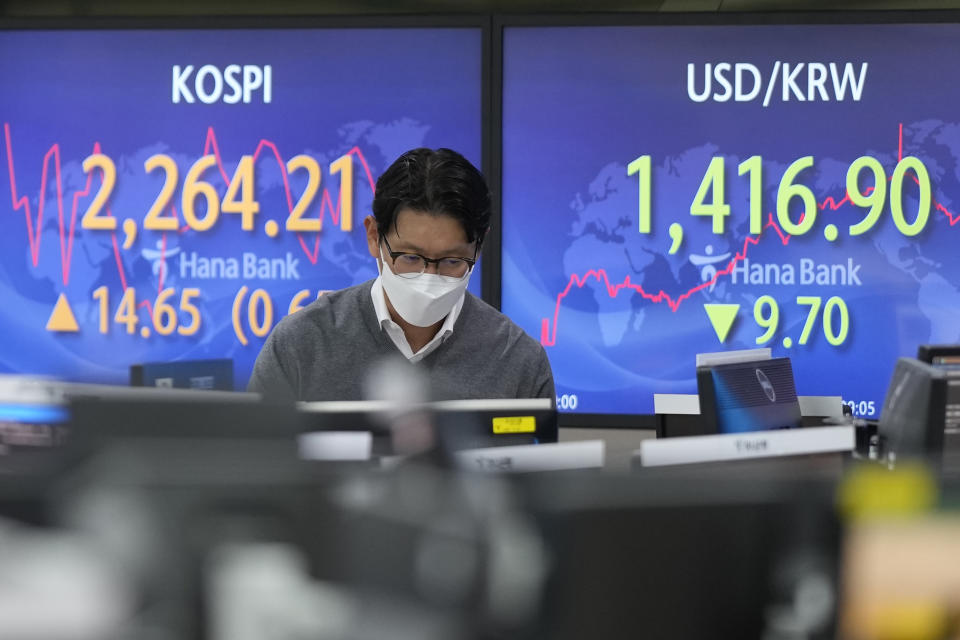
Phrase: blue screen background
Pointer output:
(580, 103)
(371, 93)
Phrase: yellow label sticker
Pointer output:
(515, 424)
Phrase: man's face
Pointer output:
(432, 236)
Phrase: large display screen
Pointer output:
(172, 194)
(670, 190)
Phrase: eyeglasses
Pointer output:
(411, 265)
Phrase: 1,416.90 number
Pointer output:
(872, 197)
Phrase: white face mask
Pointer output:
(422, 301)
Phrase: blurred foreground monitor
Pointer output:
(690, 554)
(199, 507)
(921, 416)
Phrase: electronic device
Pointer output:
(947, 358)
(688, 553)
(460, 424)
(685, 222)
(33, 415)
(34, 424)
(37, 415)
(184, 374)
(208, 179)
(914, 415)
(748, 396)
(198, 416)
(196, 476)
(49, 427)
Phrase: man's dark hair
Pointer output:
(436, 182)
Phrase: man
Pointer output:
(431, 211)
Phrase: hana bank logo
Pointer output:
(708, 265)
(766, 385)
(158, 258)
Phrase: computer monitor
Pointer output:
(31, 416)
(658, 214)
(50, 428)
(914, 414)
(748, 396)
(460, 424)
(946, 356)
(39, 416)
(158, 414)
(216, 373)
(33, 426)
(174, 480)
(209, 179)
(687, 554)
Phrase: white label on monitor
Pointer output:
(507, 405)
(587, 454)
(750, 444)
(336, 445)
(676, 403)
(826, 406)
(729, 357)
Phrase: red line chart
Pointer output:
(52, 164)
(548, 331)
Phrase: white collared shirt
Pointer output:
(396, 333)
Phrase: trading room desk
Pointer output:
(677, 414)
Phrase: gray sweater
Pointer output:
(324, 351)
